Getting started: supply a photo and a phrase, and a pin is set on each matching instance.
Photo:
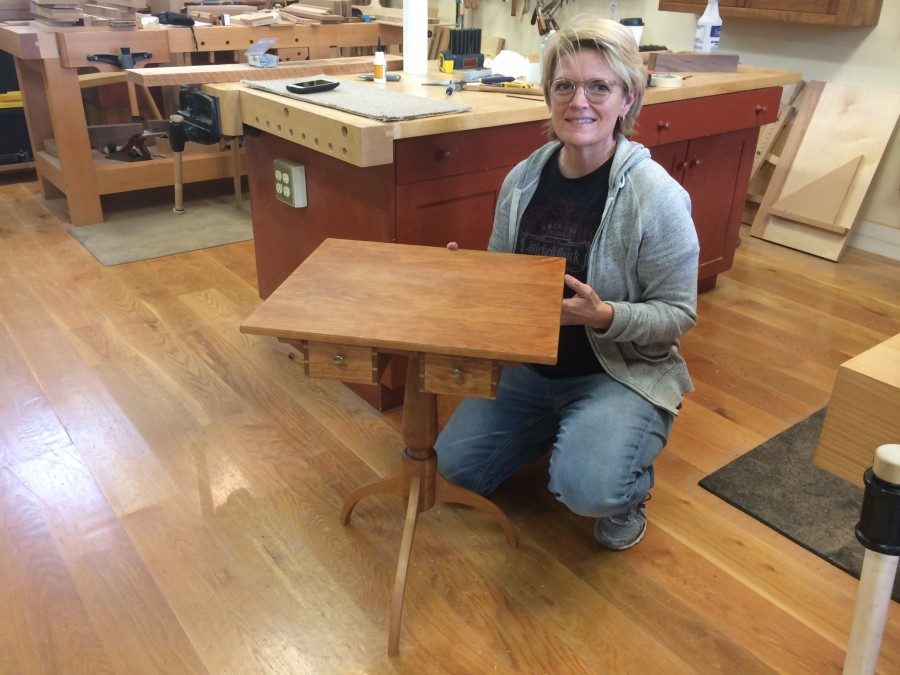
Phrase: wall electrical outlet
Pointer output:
(290, 182)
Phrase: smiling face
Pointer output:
(585, 128)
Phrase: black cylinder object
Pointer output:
(879, 522)
(177, 135)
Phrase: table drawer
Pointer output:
(453, 154)
(361, 365)
(662, 123)
(440, 374)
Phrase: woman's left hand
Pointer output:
(585, 307)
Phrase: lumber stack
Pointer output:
(15, 10)
(115, 14)
(266, 17)
(308, 12)
(213, 14)
(55, 13)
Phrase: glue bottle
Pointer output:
(709, 26)
(380, 64)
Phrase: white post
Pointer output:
(876, 584)
(415, 37)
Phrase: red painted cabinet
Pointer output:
(708, 146)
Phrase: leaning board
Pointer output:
(836, 125)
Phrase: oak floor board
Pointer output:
(707, 439)
(829, 339)
(140, 633)
(106, 438)
(783, 351)
(813, 597)
(866, 313)
(50, 627)
(785, 646)
(29, 426)
(749, 382)
(207, 592)
(751, 420)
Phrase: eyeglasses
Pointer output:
(596, 91)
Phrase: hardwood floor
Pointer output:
(170, 490)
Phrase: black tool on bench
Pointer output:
(124, 60)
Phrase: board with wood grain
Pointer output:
(837, 141)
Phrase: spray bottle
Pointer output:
(709, 27)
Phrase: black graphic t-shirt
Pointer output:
(561, 220)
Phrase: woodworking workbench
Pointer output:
(432, 180)
(47, 66)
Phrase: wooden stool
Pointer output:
(864, 412)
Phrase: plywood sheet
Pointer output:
(835, 124)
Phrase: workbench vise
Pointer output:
(124, 59)
(200, 121)
(197, 120)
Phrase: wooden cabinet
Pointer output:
(708, 144)
(823, 12)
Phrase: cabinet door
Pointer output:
(672, 157)
(457, 208)
(715, 172)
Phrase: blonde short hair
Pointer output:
(616, 43)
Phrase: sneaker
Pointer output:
(624, 530)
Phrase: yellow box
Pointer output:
(11, 99)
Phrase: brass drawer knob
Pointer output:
(456, 374)
(338, 360)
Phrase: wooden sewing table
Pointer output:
(458, 315)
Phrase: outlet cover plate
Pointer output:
(290, 182)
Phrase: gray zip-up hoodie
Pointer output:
(643, 262)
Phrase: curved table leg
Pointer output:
(445, 491)
(420, 482)
(395, 485)
(409, 530)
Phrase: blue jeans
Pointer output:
(604, 439)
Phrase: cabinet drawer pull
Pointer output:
(762, 108)
(338, 359)
(442, 155)
(662, 126)
(456, 374)
(694, 162)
